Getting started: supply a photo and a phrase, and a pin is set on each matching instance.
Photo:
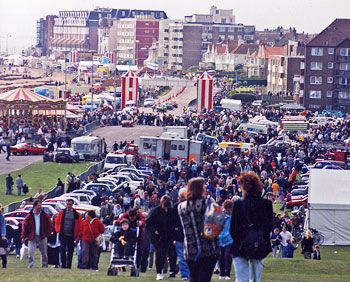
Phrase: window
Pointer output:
(173, 147)
(344, 81)
(330, 79)
(330, 51)
(314, 106)
(316, 51)
(222, 29)
(344, 95)
(315, 79)
(344, 66)
(329, 94)
(147, 146)
(316, 66)
(315, 94)
(344, 52)
(328, 107)
(330, 65)
(182, 147)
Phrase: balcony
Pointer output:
(342, 72)
(343, 58)
(342, 86)
(280, 69)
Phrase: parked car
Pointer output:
(99, 188)
(169, 106)
(322, 164)
(66, 155)
(86, 192)
(82, 198)
(17, 213)
(297, 201)
(161, 108)
(127, 123)
(27, 149)
(46, 208)
(149, 102)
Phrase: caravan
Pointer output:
(89, 147)
(170, 148)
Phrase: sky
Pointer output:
(18, 17)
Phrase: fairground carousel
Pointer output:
(28, 107)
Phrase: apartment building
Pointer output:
(282, 69)
(131, 38)
(327, 68)
(44, 35)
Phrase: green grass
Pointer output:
(39, 175)
(332, 267)
(164, 92)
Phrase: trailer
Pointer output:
(89, 147)
(167, 149)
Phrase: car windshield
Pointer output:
(114, 160)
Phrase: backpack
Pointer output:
(214, 219)
(252, 244)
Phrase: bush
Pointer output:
(245, 98)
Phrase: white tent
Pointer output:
(329, 205)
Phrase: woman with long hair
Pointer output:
(201, 253)
(251, 224)
(307, 244)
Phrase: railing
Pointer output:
(343, 58)
(342, 72)
(83, 177)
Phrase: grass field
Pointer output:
(39, 175)
(332, 267)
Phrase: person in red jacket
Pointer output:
(37, 227)
(67, 224)
(90, 228)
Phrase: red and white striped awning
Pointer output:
(204, 92)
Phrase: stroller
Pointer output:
(118, 261)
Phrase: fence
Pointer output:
(51, 194)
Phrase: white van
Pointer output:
(257, 128)
(112, 160)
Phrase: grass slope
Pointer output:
(39, 175)
(332, 267)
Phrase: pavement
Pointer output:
(17, 162)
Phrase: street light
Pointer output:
(92, 78)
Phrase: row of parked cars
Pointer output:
(300, 190)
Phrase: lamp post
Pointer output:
(92, 78)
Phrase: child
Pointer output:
(3, 251)
(225, 241)
(290, 249)
(317, 254)
(124, 239)
(276, 242)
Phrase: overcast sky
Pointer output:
(18, 17)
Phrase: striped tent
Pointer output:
(22, 94)
(204, 92)
(130, 88)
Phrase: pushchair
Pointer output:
(117, 260)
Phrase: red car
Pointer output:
(127, 123)
(297, 201)
(26, 149)
(174, 104)
(17, 214)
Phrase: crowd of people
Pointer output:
(169, 208)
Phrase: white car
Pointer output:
(82, 198)
(149, 102)
(256, 103)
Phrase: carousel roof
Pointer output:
(22, 94)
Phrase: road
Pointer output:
(111, 133)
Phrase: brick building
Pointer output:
(327, 68)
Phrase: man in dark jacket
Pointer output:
(67, 224)
(37, 227)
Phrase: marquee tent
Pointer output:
(329, 205)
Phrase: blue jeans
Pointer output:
(248, 272)
(284, 251)
(19, 189)
(8, 189)
(184, 271)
